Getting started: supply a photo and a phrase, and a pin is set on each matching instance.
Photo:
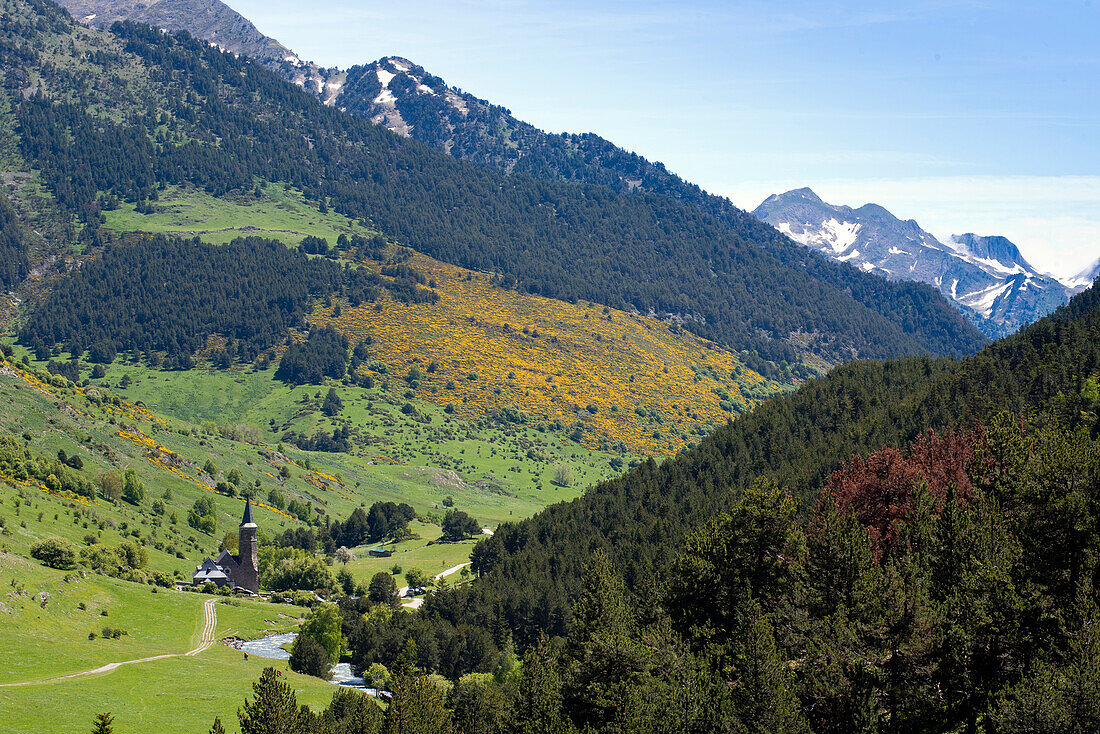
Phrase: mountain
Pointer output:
(986, 276)
(225, 122)
(1085, 278)
(998, 251)
(211, 21)
(217, 23)
(407, 99)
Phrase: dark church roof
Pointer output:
(247, 513)
(225, 557)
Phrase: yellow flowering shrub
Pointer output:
(616, 376)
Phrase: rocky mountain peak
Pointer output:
(986, 277)
(218, 24)
(995, 248)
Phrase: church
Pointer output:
(239, 572)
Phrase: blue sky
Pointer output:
(966, 116)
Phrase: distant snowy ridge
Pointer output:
(1085, 278)
(986, 277)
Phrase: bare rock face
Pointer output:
(218, 24)
(986, 277)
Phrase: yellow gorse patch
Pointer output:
(621, 377)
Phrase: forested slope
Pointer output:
(533, 568)
(942, 578)
(124, 114)
(14, 262)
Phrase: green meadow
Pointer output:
(48, 617)
(420, 459)
(421, 552)
(280, 213)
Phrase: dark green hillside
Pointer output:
(943, 579)
(164, 296)
(167, 295)
(183, 112)
(534, 567)
(14, 264)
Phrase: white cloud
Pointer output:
(1055, 220)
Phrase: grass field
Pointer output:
(488, 470)
(281, 214)
(171, 696)
(179, 694)
(415, 553)
(51, 639)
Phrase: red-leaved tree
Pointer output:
(879, 489)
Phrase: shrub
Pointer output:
(417, 580)
(377, 676)
(54, 552)
(201, 515)
(305, 573)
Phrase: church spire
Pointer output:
(247, 513)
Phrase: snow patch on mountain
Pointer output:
(838, 236)
(1085, 278)
(983, 301)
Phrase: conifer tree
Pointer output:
(538, 706)
(103, 723)
(417, 707)
(352, 712)
(332, 405)
(764, 695)
(274, 708)
(605, 660)
(751, 554)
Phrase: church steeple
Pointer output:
(247, 573)
(247, 521)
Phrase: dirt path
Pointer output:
(417, 603)
(210, 625)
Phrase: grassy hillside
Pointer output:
(279, 213)
(47, 619)
(654, 387)
(610, 377)
(169, 453)
(49, 614)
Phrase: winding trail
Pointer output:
(419, 602)
(210, 625)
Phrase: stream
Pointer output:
(271, 647)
